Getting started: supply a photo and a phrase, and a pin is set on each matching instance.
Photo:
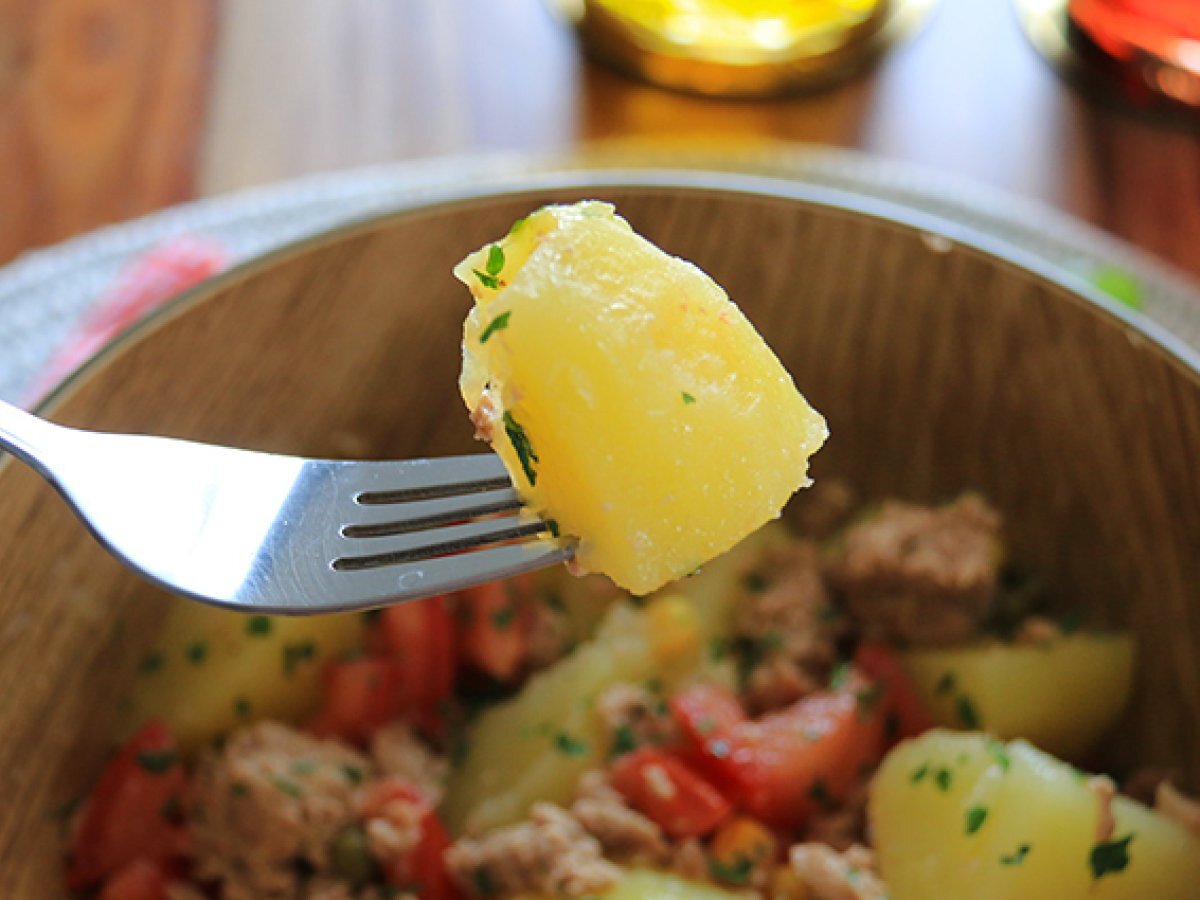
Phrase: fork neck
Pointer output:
(25, 435)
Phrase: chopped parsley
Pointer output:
(481, 880)
(303, 767)
(157, 761)
(1110, 857)
(867, 700)
(943, 778)
(946, 684)
(569, 746)
(151, 663)
(520, 441)
(552, 527)
(737, 872)
(1071, 622)
(819, 794)
(172, 809)
(488, 281)
(239, 789)
(718, 648)
(976, 816)
(503, 618)
(999, 753)
(755, 582)
(497, 324)
(258, 626)
(352, 774)
(839, 674)
(966, 712)
(66, 809)
(624, 740)
(495, 260)
(688, 399)
(196, 652)
(1016, 857)
(241, 707)
(294, 654)
(919, 774)
(288, 787)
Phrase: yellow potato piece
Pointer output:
(633, 403)
(1062, 694)
(211, 670)
(964, 815)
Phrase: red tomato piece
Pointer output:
(494, 626)
(807, 757)
(424, 871)
(669, 792)
(706, 715)
(360, 696)
(418, 637)
(142, 879)
(130, 812)
(903, 708)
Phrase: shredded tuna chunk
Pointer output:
(916, 575)
(830, 875)
(820, 510)
(843, 824)
(267, 806)
(624, 834)
(634, 716)
(550, 854)
(788, 627)
(399, 753)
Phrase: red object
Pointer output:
(424, 871)
(494, 627)
(360, 696)
(143, 285)
(142, 879)
(409, 673)
(128, 816)
(1120, 26)
(901, 704)
(669, 792)
(706, 715)
(787, 765)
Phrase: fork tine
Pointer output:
(396, 518)
(370, 552)
(383, 482)
(427, 577)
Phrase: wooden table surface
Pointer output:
(113, 108)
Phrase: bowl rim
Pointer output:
(1138, 326)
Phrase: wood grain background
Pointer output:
(110, 108)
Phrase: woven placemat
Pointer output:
(44, 293)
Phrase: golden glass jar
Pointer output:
(731, 48)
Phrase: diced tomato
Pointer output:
(792, 763)
(424, 871)
(905, 714)
(706, 715)
(130, 814)
(142, 879)
(668, 791)
(494, 627)
(360, 696)
(418, 637)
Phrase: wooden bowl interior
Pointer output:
(939, 367)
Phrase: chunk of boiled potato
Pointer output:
(964, 815)
(535, 746)
(633, 403)
(1061, 694)
(211, 670)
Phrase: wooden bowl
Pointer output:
(941, 364)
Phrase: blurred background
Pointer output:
(113, 108)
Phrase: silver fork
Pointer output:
(259, 532)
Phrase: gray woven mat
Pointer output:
(44, 293)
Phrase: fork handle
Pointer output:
(27, 436)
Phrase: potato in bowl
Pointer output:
(937, 372)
